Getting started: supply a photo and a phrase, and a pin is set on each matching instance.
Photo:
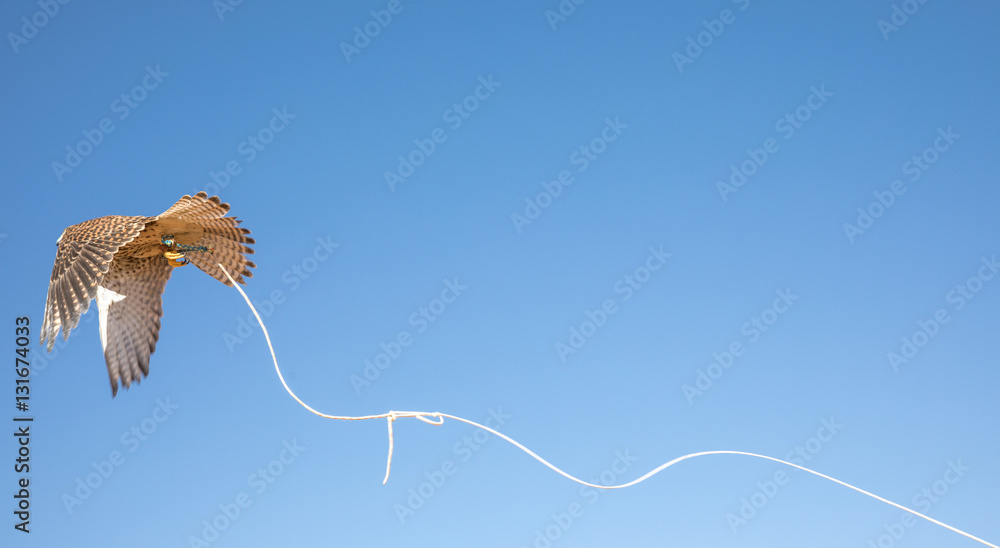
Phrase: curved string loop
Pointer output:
(437, 419)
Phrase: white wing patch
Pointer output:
(105, 298)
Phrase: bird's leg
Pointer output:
(174, 258)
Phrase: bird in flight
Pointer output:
(125, 262)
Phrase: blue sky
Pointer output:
(623, 234)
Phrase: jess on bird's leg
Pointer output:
(174, 258)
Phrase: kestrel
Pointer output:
(125, 262)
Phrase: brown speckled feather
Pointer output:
(119, 261)
(230, 241)
(84, 254)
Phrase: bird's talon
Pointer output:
(175, 259)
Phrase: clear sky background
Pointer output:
(834, 108)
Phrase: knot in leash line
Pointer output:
(391, 417)
(421, 415)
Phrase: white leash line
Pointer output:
(427, 417)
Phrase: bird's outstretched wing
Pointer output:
(83, 257)
(125, 262)
(230, 243)
(130, 304)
